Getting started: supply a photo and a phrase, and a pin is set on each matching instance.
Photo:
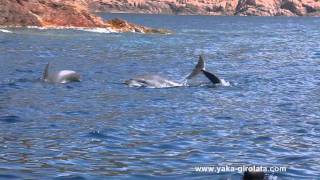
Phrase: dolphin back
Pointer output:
(72, 77)
(63, 76)
(198, 68)
(152, 82)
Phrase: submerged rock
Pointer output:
(58, 13)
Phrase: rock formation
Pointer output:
(78, 13)
(60, 13)
(211, 7)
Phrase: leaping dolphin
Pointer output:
(63, 76)
(159, 82)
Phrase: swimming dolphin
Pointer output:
(63, 76)
(153, 81)
(159, 82)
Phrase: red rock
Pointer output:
(59, 13)
(13, 13)
(124, 26)
(294, 6)
(210, 7)
(76, 13)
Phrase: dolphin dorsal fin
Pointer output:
(46, 72)
(198, 68)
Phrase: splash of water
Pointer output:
(225, 83)
(5, 31)
(95, 30)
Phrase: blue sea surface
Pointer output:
(100, 128)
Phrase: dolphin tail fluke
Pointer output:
(198, 68)
(46, 72)
(213, 78)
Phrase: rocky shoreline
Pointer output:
(58, 14)
(80, 13)
(210, 7)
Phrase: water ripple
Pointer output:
(99, 128)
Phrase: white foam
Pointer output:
(225, 83)
(95, 30)
(99, 30)
(5, 31)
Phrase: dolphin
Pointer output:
(200, 68)
(63, 76)
(155, 81)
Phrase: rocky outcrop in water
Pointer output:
(60, 13)
(211, 7)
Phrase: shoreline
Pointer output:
(56, 15)
(205, 15)
(210, 7)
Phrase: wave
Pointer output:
(224, 82)
(95, 30)
(5, 31)
(197, 31)
(99, 30)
